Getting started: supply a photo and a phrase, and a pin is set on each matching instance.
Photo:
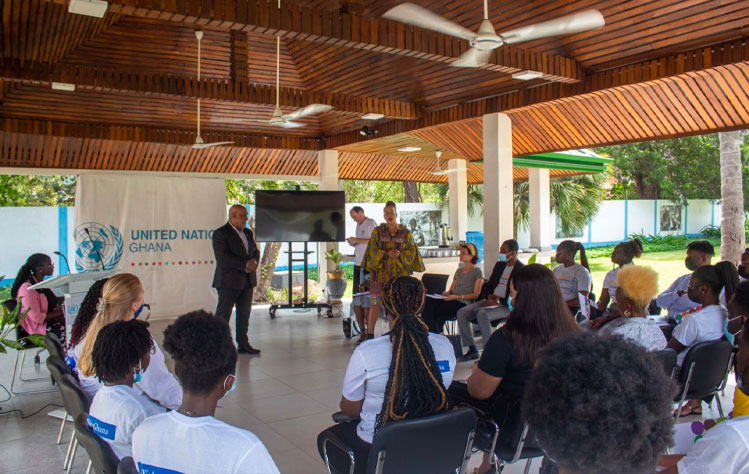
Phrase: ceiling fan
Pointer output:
(199, 145)
(287, 121)
(439, 171)
(486, 40)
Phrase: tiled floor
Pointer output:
(285, 396)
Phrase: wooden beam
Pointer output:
(240, 72)
(349, 30)
(100, 78)
(142, 134)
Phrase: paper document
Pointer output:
(491, 306)
(436, 296)
(363, 293)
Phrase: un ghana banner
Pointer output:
(158, 228)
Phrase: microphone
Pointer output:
(101, 260)
(64, 258)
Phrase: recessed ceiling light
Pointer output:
(527, 75)
(409, 149)
(63, 86)
(372, 116)
(95, 8)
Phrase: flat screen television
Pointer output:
(300, 216)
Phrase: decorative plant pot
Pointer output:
(336, 287)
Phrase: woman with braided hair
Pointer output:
(86, 312)
(402, 374)
(121, 356)
(42, 308)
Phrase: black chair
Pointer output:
(75, 402)
(668, 358)
(103, 459)
(431, 445)
(434, 283)
(653, 308)
(54, 346)
(58, 368)
(704, 372)
(127, 466)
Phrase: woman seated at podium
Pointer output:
(122, 300)
(43, 309)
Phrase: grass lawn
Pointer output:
(669, 265)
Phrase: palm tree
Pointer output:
(732, 197)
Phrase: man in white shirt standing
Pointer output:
(364, 228)
(675, 299)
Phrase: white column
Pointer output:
(498, 219)
(458, 188)
(327, 166)
(540, 208)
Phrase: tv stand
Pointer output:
(305, 299)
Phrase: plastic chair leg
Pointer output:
(67, 453)
(62, 428)
(88, 469)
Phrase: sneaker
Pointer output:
(472, 354)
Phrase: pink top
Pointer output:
(36, 303)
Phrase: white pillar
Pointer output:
(327, 168)
(458, 186)
(498, 219)
(540, 208)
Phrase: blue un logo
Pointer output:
(104, 246)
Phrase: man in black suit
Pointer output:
(237, 257)
(492, 303)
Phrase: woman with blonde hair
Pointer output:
(636, 286)
(122, 300)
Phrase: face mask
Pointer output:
(509, 302)
(231, 389)
(742, 272)
(503, 257)
(729, 336)
(690, 264)
(461, 265)
(137, 377)
(693, 295)
(139, 310)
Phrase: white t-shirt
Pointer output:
(175, 443)
(701, 326)
(363, 231)
(609, 282)
(115, 413)
(157, 383)
(723, 448)
(572, 280)
(504, 280)
(367, 375)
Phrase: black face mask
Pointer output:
(742, 272)
(693, 295)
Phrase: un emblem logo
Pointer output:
(105, 241)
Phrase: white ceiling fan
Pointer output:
(199, 145)
(483, 42)
(439, 171)
(287, 121)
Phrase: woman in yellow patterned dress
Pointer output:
(391, 253)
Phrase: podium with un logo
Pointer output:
(73, 287)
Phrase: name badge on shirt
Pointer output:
(144, 468)
(103, 430)
(444, 365)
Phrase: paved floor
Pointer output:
(285, 396)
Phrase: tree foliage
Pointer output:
(36, 190)
(242, 191)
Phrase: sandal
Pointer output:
(690, 410)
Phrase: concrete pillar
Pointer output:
(540, 208)
(498, 218)
(327, 168)
(458, 186)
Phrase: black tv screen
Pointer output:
(300, 216)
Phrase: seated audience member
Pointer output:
(636, 286)
(573, 277)
(121, 356)
(539, 315)
(464, 290)
(600, 405)
(86, 313)
(190, 439)
(675, 299)
(493, 303)
(403, 374)
(737, 333)
(624, 254)
(122, 300)
(744, 267)
(42, 308)
(707, 324)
